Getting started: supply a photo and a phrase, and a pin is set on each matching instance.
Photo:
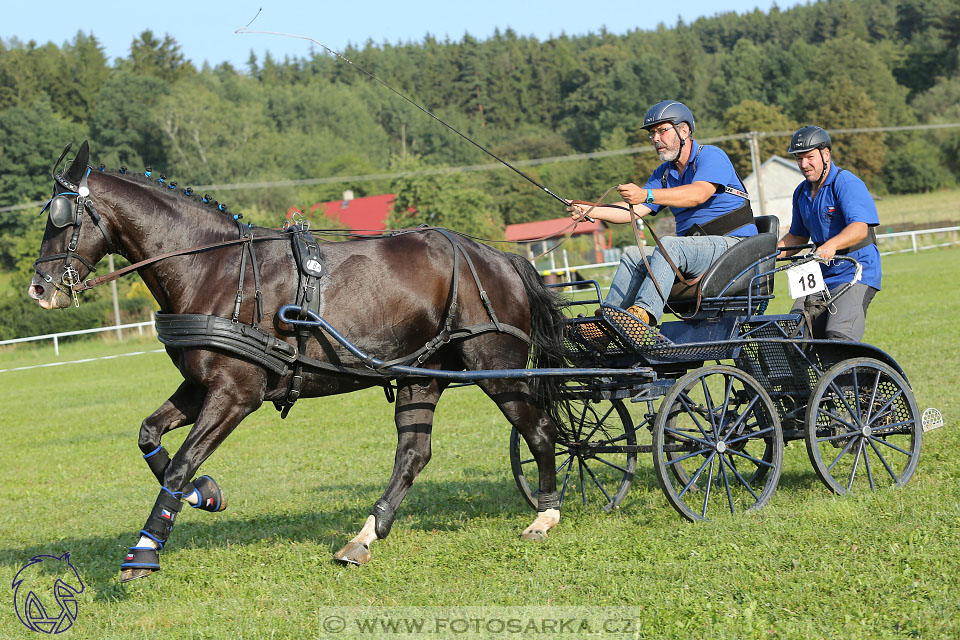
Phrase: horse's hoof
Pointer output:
(535, 535)
(132, 574)
(353, 553)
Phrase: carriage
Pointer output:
(715, 395)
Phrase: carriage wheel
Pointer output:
(717, 443)
(595, 466)
(863, 427)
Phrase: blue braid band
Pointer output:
(147, 455)
(174, 494)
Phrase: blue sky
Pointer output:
(205, 29)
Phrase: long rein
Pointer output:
(113, 275)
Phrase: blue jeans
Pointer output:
(693, 255)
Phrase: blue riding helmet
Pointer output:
(668, 111)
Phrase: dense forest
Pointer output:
(836, 63)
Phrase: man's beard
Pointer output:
(666, 154)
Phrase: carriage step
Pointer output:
(932, 419)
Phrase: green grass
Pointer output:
(809, 565)
(919, 210)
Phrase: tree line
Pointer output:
(836, 63)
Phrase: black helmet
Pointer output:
(808, 138)
(668, 111)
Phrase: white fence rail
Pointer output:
(915, 245)
(566, 269)
(56, 336)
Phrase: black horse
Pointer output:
(391, 295)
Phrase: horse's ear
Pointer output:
(79, 166)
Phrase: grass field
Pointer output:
(809, 565)
(919, 210)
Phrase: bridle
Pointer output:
(64, 211)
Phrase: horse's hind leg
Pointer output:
(538, 430)
(416, 401)
(224, 406)
(181, 409)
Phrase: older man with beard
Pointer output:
(707, 198)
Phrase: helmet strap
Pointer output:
(682, 142)
(823, 174)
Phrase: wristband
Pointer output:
(649, 199)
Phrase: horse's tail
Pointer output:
(546, 334)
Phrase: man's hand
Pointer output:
(826, 251)
(577, 212)
(631, 193)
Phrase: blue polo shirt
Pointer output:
(708, 164)
(822, 217)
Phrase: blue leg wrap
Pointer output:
(157, 460)
(141, 558)
(163, 516)
(209, 496)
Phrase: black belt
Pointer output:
(722, 225)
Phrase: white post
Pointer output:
(913, 239)
(755, 160)
(566, 264)
(553, 261)
(116, 303)
(56, 346)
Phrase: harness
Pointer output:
(277, 356)
(871, 234)
(728, 222)
(62, 214)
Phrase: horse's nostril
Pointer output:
(38, 290)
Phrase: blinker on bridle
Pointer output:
(64, 212)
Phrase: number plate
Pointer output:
(805, 279)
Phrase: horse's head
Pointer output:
(66, 254)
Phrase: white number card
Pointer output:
(805, 279)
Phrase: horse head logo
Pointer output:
(45, 593)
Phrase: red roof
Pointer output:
(365, 216)
(542, 228)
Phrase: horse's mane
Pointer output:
(161, 183)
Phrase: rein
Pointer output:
(96, 282)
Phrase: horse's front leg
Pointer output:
(416, 402)
(181, 409)
(226, 404)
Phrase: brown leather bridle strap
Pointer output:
(108, 277)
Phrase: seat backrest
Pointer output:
(726, 269)
(768, 224)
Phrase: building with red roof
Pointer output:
(543, 235)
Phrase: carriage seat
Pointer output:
(714, 282)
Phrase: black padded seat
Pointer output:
(716, 281)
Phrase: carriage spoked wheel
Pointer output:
(863, 429)
(717, 443)
(596, 460)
